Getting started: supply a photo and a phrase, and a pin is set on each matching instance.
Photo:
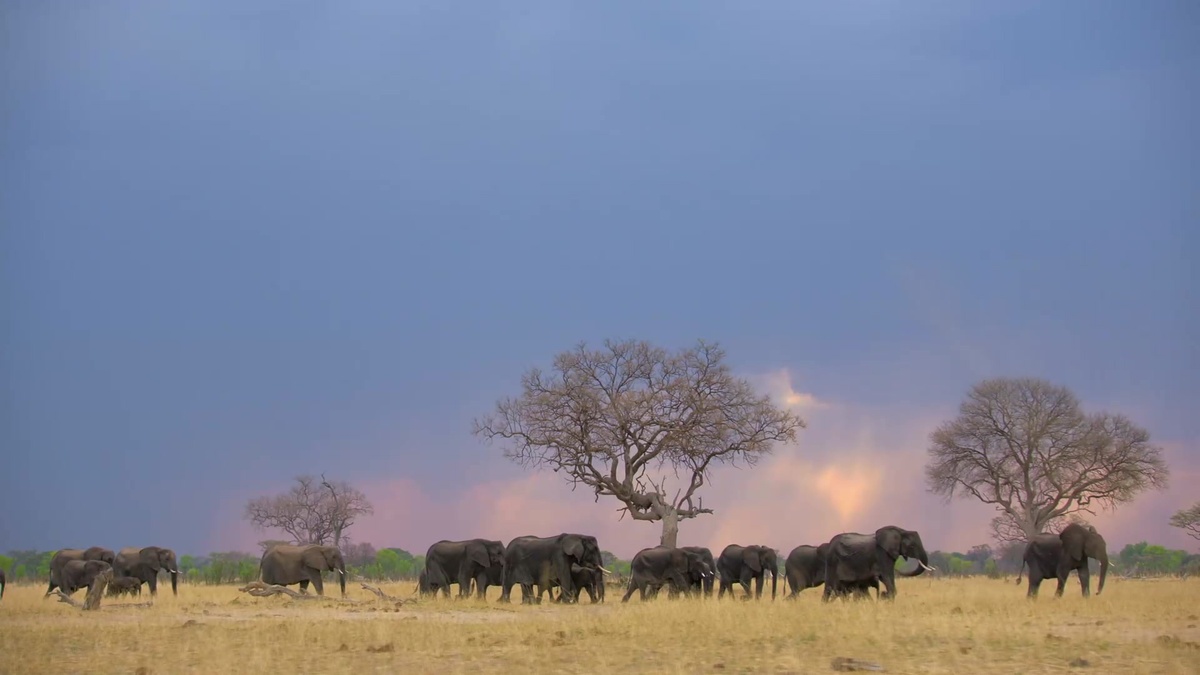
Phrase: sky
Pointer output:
(239, 244)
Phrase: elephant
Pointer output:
(145, 564)
(124, 586)
(545, 561)
(740, 564)
(61, 558)
(585, 579)
(652, 568)
(461, 562)
(1050, 555)
(77, 574)
(805, 568)
(3, 581)
(856, 559)
(286, 564)
(425, 588)
(704, 583)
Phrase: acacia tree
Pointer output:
(1025, 446)
(1188, 520)
(312, 511)
(616, 418)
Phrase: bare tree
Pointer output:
(1025, 446)
(1188, 520)
(358, 555)
(607, 418)
(311, 512)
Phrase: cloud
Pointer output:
(854, 468)
(778, 385)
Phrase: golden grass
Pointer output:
(935, 626)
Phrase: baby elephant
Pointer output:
(124, 586)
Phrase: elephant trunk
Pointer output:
(922, 565)
(342, 579)
(175, 583)
(774, 580)
(1103, 571)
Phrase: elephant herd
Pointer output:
(849, 564)
(72, 569)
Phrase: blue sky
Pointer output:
(241, 244)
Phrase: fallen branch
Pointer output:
(385, 596)
(261, 590)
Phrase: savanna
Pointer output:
(935, 625)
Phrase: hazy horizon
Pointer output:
(242, 244)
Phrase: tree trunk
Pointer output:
(670, 528)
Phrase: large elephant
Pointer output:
(740, 564)
(855, 560)
(285, 564)
(66, 555)
(805, 568)
(546, 561)
(1050, 555)
(704, 584)
(461, 562)
(3, 581)
(77, 574)
(652, 568)
(145, 564)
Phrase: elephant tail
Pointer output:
(1020, 571)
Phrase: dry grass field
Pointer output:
(935, 626)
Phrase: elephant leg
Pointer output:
(1085, 579)
(744, 581)
(153, 581)
(1062, 583)
(304, 586)
(758, 584)
(725, 586)
(481, 584)
(889, 583)
(629, 591)
(1035, 582)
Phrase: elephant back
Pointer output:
(126, 560)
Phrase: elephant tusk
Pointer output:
(927, 567)
(602, 569)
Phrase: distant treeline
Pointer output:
(396, 564)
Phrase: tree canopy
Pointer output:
(312, 511)
(1188, 520)
(615, 419)
(1025, 446)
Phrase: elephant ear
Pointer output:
(750, 557)
(314, 557)
(888, 539)
(573, 546)
(149, 557)
(477, 553)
